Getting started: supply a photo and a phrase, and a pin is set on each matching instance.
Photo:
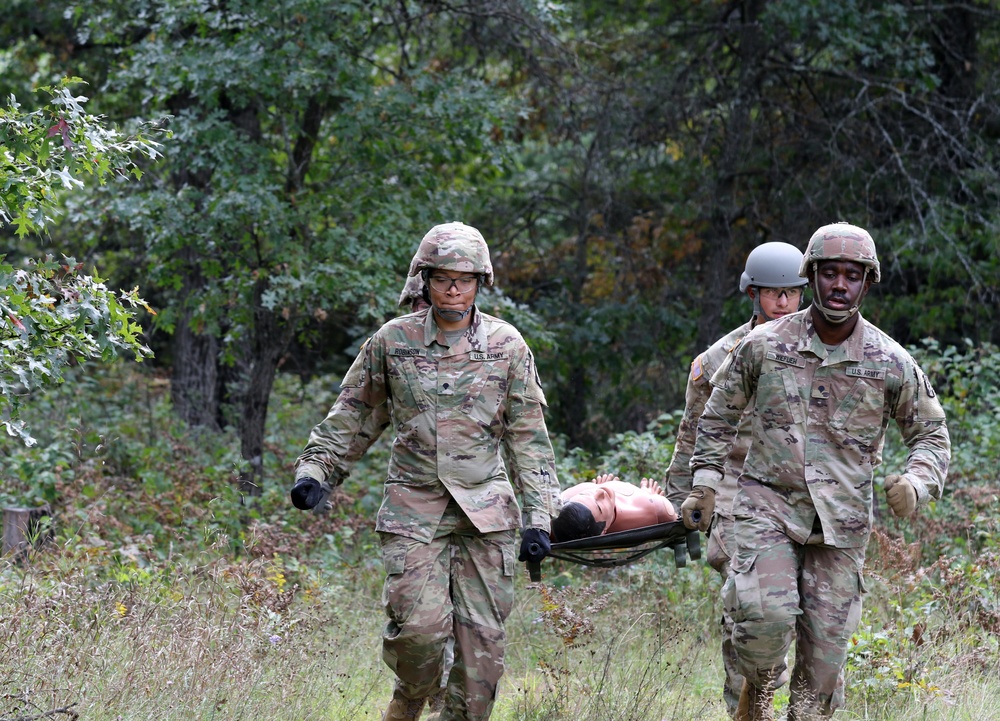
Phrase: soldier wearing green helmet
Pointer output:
(820, 387)
(461, 389)
(771, 281)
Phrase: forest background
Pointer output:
(276, 166)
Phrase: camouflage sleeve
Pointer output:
(733, 385)
(331, 448)
(924, 430)
(678, 479)
(526, 441)
(370, 432)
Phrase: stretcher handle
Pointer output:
(534, 571)
(535, 567)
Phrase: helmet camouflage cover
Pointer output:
(841, 241)
(412, 291)
(454, 246)
(773, 265)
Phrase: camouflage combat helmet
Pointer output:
(841, 241)
(453, 246)
(773, 265)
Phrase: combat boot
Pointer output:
(756, 704)
(435, 705)
(404, 709)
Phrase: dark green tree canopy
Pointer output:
(621, 158)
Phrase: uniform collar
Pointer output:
(851, 350)
(474, 338)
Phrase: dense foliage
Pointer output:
(52, 312)
(622, 159)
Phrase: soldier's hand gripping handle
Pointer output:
(535, 545)
(698, 508)
(901, 496)
(307, 493)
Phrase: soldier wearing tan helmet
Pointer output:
(841, 242)
(459, 385)
(820, 386)
(771, 281)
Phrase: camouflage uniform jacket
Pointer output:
(451, 408)
(818, 423)
(695, 397)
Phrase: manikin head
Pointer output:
(589, 513)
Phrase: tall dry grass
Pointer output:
(87, 631)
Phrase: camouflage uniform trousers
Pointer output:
(779, 590)
(459, 587)
(720, 543)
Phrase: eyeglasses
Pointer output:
(775, 293)
(442, 283)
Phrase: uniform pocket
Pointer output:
(859, 415)
(508, 560)
(412, 382)
(741, 596)
(487, 393)
(394, 555)
(779, 404)
(717, 553)
(486, 408)
(854, 612)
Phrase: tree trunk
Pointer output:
(23, 528)
(195, 384)
(195, 389)
(271, 337)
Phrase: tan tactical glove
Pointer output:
(901, 495)
(697, 510)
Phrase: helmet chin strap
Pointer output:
(835, 316)
(758, 309)
(453, 316)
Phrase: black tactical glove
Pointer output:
(535, 545)
(306, 493)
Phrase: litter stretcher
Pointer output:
(623, 547)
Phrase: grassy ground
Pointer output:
(217, 638)
(162, 596)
